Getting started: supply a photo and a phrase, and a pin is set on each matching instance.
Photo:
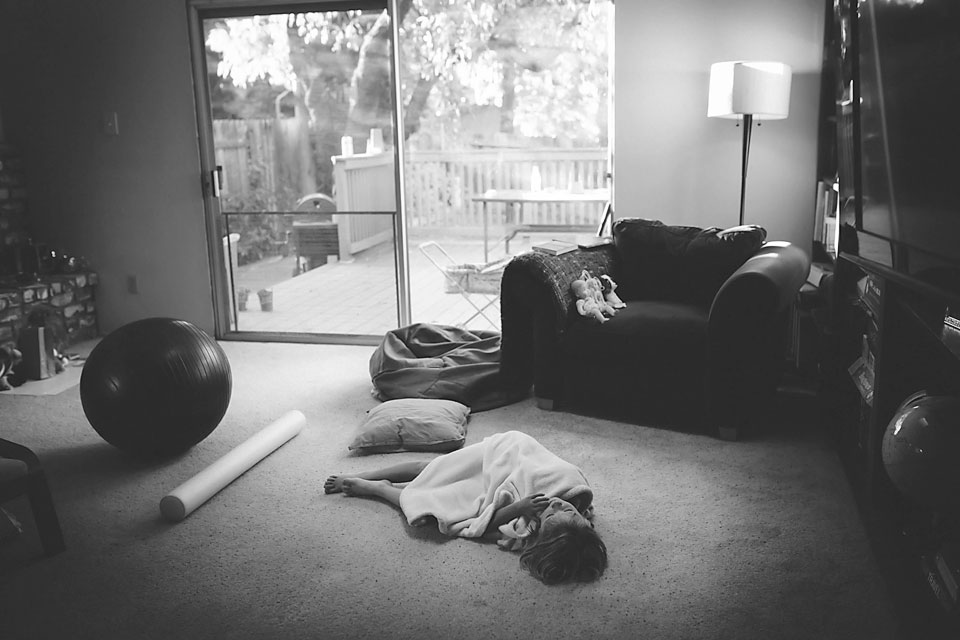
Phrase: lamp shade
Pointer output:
(761, 89)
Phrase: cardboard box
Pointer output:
(38, 361)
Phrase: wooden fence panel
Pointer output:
(261, 162)
(231, 154)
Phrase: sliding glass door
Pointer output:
(296, 109)
(330, 223)
(506, 141)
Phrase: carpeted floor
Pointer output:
(707, 539)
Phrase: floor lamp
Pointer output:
(748, 91)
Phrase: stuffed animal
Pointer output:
(9, 357)
(590, 301)
(596, 288)
(587, 304)
(610, 292)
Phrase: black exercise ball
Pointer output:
(921, 450)
(156, 387)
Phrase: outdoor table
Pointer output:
(519, 197)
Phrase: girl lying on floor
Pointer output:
(508, 487)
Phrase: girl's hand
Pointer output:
(533, 506)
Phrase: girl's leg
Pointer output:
(401, 472)
(383, 489)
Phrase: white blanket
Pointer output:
(463, 489)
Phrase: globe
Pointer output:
(921, 450)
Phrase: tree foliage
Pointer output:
(542, 62)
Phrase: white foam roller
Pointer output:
(183, 500)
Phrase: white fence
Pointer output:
(440, 184)
(364, 183)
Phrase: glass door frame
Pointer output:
(215, 223)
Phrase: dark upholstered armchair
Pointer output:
(700, 345)
(22, 474)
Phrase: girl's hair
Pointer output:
(565, 551)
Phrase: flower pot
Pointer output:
(266, 299)
(242, 295)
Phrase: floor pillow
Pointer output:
(413, 424)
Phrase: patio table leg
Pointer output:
(486, 249)
(511, 231)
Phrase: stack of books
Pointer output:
(554, 247)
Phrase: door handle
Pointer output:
(216, 179)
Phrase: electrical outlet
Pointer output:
(111, 125)
(132, 285)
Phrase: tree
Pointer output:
(308, 59)
(541, 63)
(547, 45)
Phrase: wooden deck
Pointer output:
(358, 297)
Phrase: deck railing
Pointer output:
(256, 154)
(440, 184)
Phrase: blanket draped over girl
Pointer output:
(463, 489)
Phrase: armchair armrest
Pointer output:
(16, 451)
(29, 479)
(535, 307)
(765, 284)
(747, 331)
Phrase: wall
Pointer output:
(675, 164)
(132, 203)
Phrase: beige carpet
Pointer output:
(707, 539)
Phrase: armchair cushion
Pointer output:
(715, 254)
(651, 254)
(650, 333)
(679, 263)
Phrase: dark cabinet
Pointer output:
(904, 343)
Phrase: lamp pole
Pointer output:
(747, 128)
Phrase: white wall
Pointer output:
(132, 204)
(676, 165)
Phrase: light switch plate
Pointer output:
(111, 125)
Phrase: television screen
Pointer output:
(909, 125)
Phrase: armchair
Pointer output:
(700, 344)
(22, 474)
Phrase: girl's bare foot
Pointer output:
(334, 484)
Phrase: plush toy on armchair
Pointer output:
(590, 300)
(610, 292)
(599, 292)
(587, 304)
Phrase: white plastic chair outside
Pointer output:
(471, 281)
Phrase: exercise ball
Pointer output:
(921, 450)
(156, 387)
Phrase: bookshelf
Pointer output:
(904, 342)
